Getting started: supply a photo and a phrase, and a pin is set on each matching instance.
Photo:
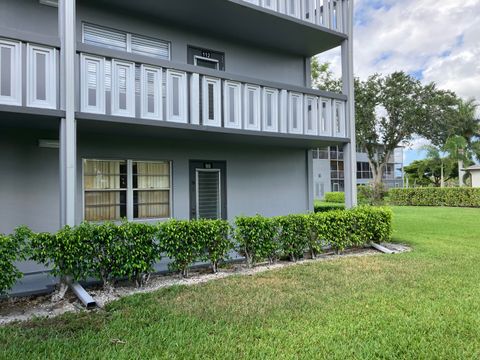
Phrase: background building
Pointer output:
(329, 170)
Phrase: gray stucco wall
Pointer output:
(260, 179)
(29, 181)
(239, 59)
(29, 16)
(265, 180)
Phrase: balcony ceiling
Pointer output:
(234, 19)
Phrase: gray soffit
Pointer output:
(234, 20)
(114, 125)
(41, 119)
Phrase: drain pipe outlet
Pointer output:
(84, 297)
(382, 248)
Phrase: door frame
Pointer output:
(208, 165)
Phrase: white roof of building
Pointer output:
(473, 167)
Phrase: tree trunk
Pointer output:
(442, 178)
(460, 173)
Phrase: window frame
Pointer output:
(16, 80)
(128, 43)
(129, 190)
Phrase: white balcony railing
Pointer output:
(41, 80)
(129, 89)
(326, 13)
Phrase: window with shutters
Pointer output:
(177, 96)
(211, 101)
(123, 41)
(92, 84)
(151, 92)
(308, 10)
(117, 189)
(10, 72)
(232, 104)
(295, 113)
(270, 109)
(310, 116)
(252, 110)
(123, 88)
(41, 77)
(270, 4)
(339, 118)
(293, 8)
(325, 117)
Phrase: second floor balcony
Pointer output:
(114, 85)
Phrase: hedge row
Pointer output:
(335, 197)
(129, 250)
(453, 197)
(325, 207)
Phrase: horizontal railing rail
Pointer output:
(330, 14)
(192, 95)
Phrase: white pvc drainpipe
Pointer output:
(84, 297)
(382, 248)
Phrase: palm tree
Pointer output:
(457, 148)
(469, 125)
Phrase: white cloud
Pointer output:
(437, 39)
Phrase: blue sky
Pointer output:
(433, 40)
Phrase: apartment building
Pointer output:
(150, 110)
(329, 170)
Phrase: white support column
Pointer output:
(310, 195)
(68, 126)
(349, 149)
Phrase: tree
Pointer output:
(457, 149)
(437, 168)
(323, 78)
(389, 111)
(427, 172)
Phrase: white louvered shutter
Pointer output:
(104, 37)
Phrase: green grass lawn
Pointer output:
(419, 305)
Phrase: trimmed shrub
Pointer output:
(179, 240)
(214, 235)
(373, 224)
(294, 235)
(10, 251)
(106, 251)
(324, 207)
(365, 195)
(334, 229)
(128, 250)
(335, 197)
(67, 252)
(257, 238)
(452, 197)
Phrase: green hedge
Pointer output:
(110, 251)
(13, 247)
(335, 197)
(453, 197)
(105, 251)
(188, 241)
(325, 207)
